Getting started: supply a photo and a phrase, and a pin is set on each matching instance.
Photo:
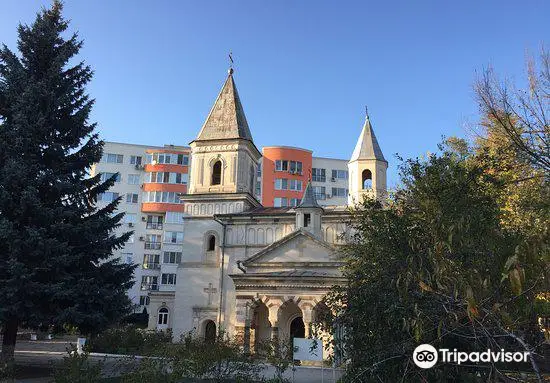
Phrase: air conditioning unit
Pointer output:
(143, 218)
(139, 167)
(130, 224)
(333, 179)
(142, 238)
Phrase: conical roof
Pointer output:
(367, 147)
(226, 119)
(309, 200)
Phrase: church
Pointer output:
(251, 271)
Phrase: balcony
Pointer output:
(149, 287)
(151, 266)
(154, 226)
(152, 245)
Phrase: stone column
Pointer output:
(307, 318)
(246, 338)
(274, 320)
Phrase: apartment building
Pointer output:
(149, 181)
(286, 171)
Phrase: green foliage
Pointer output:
(436, 265)
(279, 355)
(150, 370)
(56, 243)
(129, 340)
(76, 368)
(218, 361)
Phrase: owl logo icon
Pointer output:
(425, 356)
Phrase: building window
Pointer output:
(105, 176)
(151, 261)
(296, 167)
(367, 179)
(318, 175)
(131, 198)
(281, 184)
(296, 185)
(339, 174)
(128, 258)
(130, 218)
(173, 237)
(280, 202)
(307, 219)
(181, 178)
(144, 300)
(211, 243)
(294, 202)
(135, 160)
(133, 179)
(172, 257)
(281, 165)
(217, 173)
(158, 196)
(168, 279)
(149, 282)
(163, 316)
(152, 241)
(174, 217)
(112, 158)
(183, 160)
(107, 196)
(154, 222)
(320, 192)
(339, 192)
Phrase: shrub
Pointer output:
(129, 340)
(76, 368)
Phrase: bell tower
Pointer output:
(225, 159)
(367, 167)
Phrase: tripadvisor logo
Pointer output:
(426, 356)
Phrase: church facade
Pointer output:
(252, 271)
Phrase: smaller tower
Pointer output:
(308, 212)
(367, 167)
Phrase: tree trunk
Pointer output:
(9, 337)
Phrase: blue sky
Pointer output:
(304, 69)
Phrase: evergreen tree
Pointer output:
(56, 244)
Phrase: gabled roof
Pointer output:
(285, 239)
(226, 119)
(367, 147)
(308, 199)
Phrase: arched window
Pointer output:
(217, 173)
(367, 179)
(211, 243)
(163, 316)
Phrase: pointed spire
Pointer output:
(226, 119)
(367, 147)
(309, 200)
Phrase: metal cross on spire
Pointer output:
(367, 111)
(231, 62)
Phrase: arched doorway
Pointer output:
(209, 331)
(260, 325)
(297, 328)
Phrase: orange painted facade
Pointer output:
(270, 174)
(157, 207)
(167, 168)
